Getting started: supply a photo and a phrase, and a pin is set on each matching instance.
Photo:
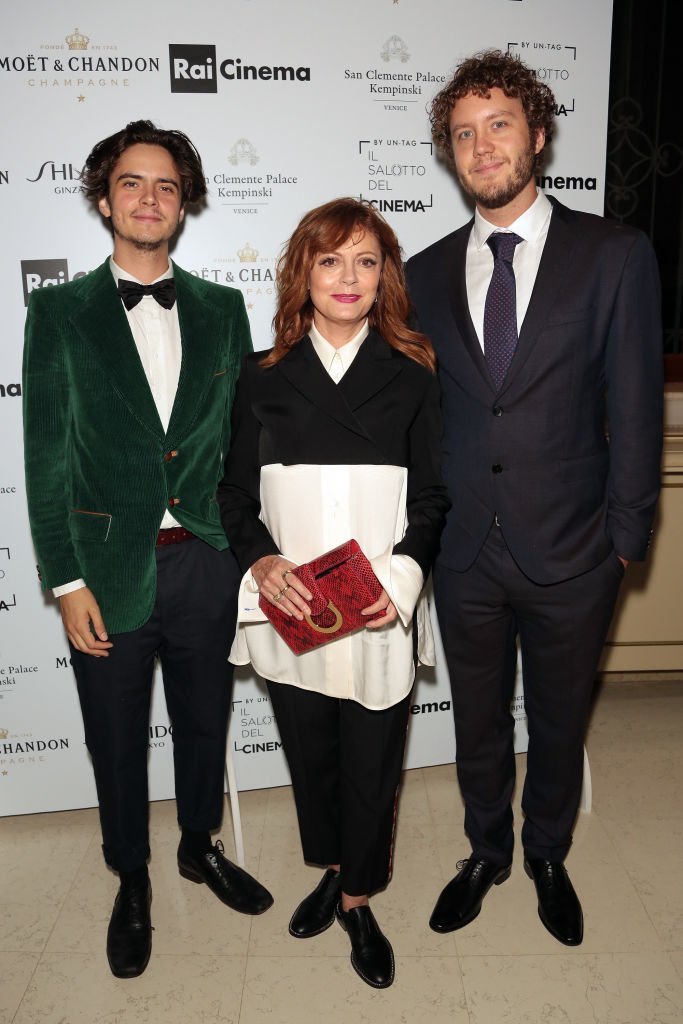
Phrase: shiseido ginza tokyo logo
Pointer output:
(194, 68)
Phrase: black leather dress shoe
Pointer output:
(129, 937)
(315, 913)
(461, 900)
(558, 905)
(234, 886)
(372, 957)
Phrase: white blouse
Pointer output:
(309, 510)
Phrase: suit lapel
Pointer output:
(552, 273)
(101, 320)
(201, 328)
(456, 264)
(304, 371)
(371, 370)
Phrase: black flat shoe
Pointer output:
(129, 936)
(461, 900)
(558, 905)
(372, 957)
(315, 913)
(233, 886)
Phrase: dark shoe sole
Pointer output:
(374, 984)
(129, 974)
(555, 935)
(309, 934)
(498, 880)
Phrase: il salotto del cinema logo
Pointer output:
(195, 68)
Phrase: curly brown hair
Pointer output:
(101, 161)
(324, 230)
(493, 69)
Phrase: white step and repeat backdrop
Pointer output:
(290, 104)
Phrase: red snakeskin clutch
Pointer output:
(342, 583)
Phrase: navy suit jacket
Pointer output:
(567, 452)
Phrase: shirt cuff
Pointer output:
(68, 588)
(402, 578)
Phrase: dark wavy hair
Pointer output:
(325, 229)
(100, 164)
(493, 69)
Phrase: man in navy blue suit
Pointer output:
(546, 325)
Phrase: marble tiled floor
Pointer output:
(211, 965)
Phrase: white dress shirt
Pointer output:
(156, 332)
(532, 227)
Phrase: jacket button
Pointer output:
(496, 468)
(173, 501)
(497, 411)
(170, 455)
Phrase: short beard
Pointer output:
(147, 246)
(140, 243)
(501, 195)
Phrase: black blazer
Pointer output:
(536, 453)
(384, 411)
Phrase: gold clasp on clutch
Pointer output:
(336, 625)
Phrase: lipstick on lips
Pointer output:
(346, 298)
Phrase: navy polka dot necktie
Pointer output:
(500, 309)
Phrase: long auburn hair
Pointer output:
(323, 230)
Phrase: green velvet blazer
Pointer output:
(100, 469)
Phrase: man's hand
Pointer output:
(624, 561)
(84, 624)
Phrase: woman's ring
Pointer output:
(278, 596)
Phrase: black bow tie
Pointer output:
(163, 291)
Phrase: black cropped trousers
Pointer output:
(345, 762)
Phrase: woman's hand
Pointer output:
(274, 576)
(382, 604)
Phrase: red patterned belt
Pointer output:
(174, 535)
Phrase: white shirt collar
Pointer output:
(347, 353)
(529, 226)
(122, 275)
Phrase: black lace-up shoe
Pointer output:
(129, 937)
(233, 886)
(558, 905)
(461, 900)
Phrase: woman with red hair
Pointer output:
(336, 435)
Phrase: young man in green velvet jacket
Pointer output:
(129, 376)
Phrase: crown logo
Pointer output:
(243, 153)
(395, 49)
(247, 254)
(4, 733)
(77, 41)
